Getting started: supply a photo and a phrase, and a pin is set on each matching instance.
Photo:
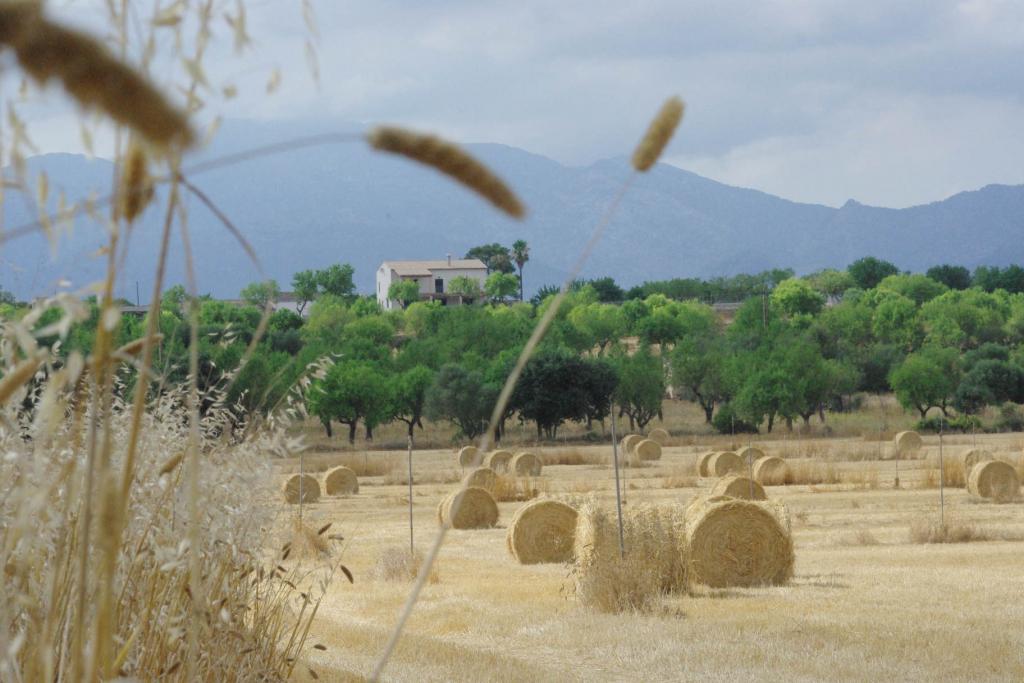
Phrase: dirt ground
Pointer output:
(866, 602)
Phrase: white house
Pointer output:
(432, 276)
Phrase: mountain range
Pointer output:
(313, 206)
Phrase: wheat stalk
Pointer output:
(658, 134)
(449, 159)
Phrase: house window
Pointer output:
(439, 286)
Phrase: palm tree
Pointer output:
(520, 254)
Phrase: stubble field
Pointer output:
(869, 600)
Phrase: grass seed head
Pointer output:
(658, 134)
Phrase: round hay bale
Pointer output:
(467, 456)
(658, 434)
(907, 443)
(735, 542)
(702, 463)
(629, 441)
(750, 454)
(526, 464)
(771, 470)
(474, 508)
(724, 462)
(341, 481)
(483, 477)
(302, 488)
(738, 486)
(972, 457)
(542, 531)
(648, 449)
(994, 479)
(498, 460)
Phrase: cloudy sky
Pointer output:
(890, 103)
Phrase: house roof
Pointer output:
(425, 268)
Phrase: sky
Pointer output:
(889, 103)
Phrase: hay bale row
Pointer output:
(526, 464)
(907, 444)
(659, 435)
(498, 460)
(646, 450)
(771, 470)
(994, 479)
(738, 486)
(733, 542)
(468, 456)
(722, 463)
(629, 442)
(750, 454)
(301, 488)
(482, 477)
(971, 457)
(471, 508)
(542, 531)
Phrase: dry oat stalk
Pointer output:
(658, 134)
(136, 189)
(449, 159)
(90, 74)
(19, 374)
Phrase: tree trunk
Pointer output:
(327, 426)
(369, 433)
(352, 432)
(771, 422)
(821, 413)
(709, 410)
(412, 426)
(923, 411)
(789, 423)
(520, 283)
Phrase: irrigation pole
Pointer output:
(411, 549)
(942, 481)
(618, 488)
(302, 480)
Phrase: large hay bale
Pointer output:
(471, 508)
(750, 454)
(972, 457)
(907, 444)
(738, 486)
(702, 463)
(994, 479)
(542, 531)
(483, 477)
(302, 488)
(341, 481)
(733, 542)
(629, 441)
(654, 560)
(648, 449)
(468, 456)
(498, 460)
(660, 435)
(724, 462)
(771, 470)
(526, 464)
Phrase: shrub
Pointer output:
(960, 423)
(726, 421)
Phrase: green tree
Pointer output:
(830, 282)
(464, 286)
(641, 387)
(916, 287)
(796, 297)
(520, 254)
(351, 392)
(306, 287)
(869, 271)
(600, 324)
(336, 280)
(409, 395)
(259, 294)
(497, 258)
(989, 382)
(954, 277)
(698, 368)
(404, 291)
(460, 396)
(500, 286)
(926, 379)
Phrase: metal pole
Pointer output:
(618, 489)
(942, 481)
(302, 480)
(411, 549)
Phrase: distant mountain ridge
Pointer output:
(315, 206)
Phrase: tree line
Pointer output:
(946, 342)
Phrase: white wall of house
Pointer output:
(385, 276)
(427, 284)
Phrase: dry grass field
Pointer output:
(869, 600)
